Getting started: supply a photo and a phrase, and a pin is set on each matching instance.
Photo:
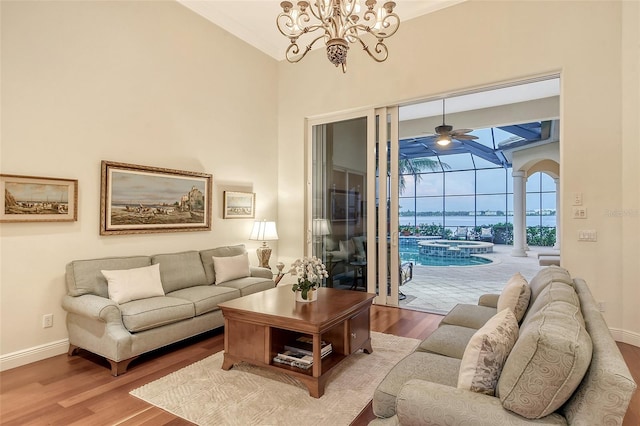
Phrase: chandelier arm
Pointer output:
(320, 14)
(293, 54)
(379, 54)
(388, 26)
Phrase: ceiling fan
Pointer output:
(445, 133)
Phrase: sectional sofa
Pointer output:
(122, 307)
(539, 353)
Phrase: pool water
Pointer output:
(410, 253)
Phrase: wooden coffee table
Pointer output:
(258, 326)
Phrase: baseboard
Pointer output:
(625, 336)
(36, 353)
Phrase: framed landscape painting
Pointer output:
(139, 199)
(239, 205)
(38, 199)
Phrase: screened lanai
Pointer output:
(470, 184)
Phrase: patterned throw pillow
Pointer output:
(487, 352)
(515, 295)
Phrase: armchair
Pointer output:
(486, 234)
(461, 233)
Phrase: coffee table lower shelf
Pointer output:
(315, 385)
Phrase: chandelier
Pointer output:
(340, 23)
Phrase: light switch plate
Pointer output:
(579, 212)
(587, 235)
(577, 198)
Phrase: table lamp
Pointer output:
(264, 231)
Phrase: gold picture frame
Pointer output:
(239, 205)
(137, 199)
(38, 199)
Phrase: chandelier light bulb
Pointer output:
(338, 23)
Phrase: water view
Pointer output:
(546, 220)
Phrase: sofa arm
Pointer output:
(257, 271)
(427, 403)
(489, 300)
(94, 307)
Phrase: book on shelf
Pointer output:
(280, 360)
(296, 356)
(304, 344)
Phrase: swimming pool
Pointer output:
(412, 253)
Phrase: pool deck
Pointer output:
(437, 289)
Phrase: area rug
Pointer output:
(205, 394)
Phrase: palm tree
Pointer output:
(414, 166)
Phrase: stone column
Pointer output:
(557, 244)
(519, 212)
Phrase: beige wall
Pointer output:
(147, 83)
(594, 47)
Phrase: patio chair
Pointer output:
(486, 234)
(461, 233)
(406, 275)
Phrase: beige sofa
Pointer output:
(183, 303)
(563, 366)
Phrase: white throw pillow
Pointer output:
(515, 296)
(487, 352)
(133, 284)
(229, 268)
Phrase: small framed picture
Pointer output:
(239, 205)
(140, 199)
(38, 199)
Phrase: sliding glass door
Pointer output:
(349, 222)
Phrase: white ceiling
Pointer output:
(255, 21)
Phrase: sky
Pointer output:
(147, 188)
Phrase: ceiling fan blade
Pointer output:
(462, 131)
(464, 137)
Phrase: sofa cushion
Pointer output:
(231, 267)
(555, 291)
(467, 315)
(360, 246)
(205, 298)
(418, 365)
(545, 276)
(547, 362)
(515, 296)
(206, 256)
(487, 352)
(84, 276)
(132, 284)
(144, 314)
(249, 285)
(448, 340)
(180, 270)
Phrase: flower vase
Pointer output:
(312, 295)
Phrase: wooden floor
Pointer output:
(80, 390)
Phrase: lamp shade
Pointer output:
(264, 231)
(321, 227)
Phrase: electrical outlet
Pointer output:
(47, 321)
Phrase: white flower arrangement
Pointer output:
(310, 272)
